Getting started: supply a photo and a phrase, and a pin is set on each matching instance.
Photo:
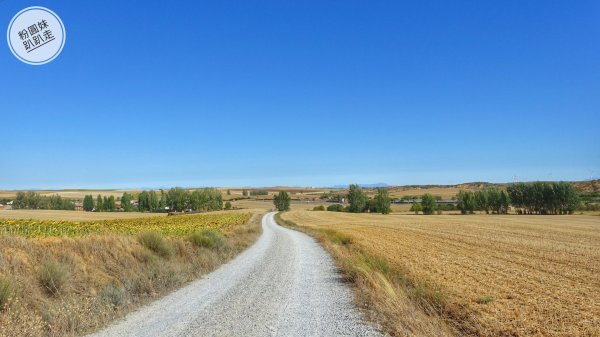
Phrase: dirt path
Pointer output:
(284, 285)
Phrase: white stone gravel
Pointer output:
(284, 285)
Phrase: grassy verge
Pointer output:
(400, 305)
(70, 286)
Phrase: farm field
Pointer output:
(69, 277)
(41, 214)
(481, 275)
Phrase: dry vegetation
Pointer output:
(69, 286)
(469, 275)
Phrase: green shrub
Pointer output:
(319, 208)
(113, 295)
(54, 276)
(227, 205)
(6, 291)
(156, 243)
(208, 239)
(335, 208)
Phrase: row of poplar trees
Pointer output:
(174, 200)
(526, 198)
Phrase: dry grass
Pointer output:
(39, 214)
(470, 275)
(69, 286)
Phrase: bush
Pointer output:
(416, 207)
(335, 208)
(156, 243)
(319, 208)
(54, 276)
(208, 239)
(6, 291)
(113, 295)
(227, 205)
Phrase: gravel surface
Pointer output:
(284, 285)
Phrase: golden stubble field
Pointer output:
(507, 275)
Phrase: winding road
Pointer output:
(283, 285)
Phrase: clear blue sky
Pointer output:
(312, 93)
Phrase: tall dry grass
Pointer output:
(73, 286)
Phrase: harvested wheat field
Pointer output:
(492, 275)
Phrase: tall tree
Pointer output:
(428, 204)
(88, 203)
(281, 201)
(357, 199)
(99, 204)
(383, 201)
(126, 202)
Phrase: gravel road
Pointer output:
(284, 285)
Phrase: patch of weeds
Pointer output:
(338, 238)
(484, 300)
(53, 276)
(156, 243)
(6, 292)
(113, 295)
(208, 239)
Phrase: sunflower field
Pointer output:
(179, 225)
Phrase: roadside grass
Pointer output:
(72, 286)
(208, 239)
(399, 305)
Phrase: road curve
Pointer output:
(283, 285)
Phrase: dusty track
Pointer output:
(284, 285)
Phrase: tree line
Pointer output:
(174, 200)
(490, 199)
(32, 200)
(526, 198)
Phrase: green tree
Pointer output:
(126, 202)
(88, 203)
(227, 205)
(281, 201)
(357, 199)
(466, 202)
(99, 204)
(416, 207)
(152, 201)
(428, 204)
(383, 201)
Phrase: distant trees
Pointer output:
(335, 208)
(544, 197)
(126, 202)
(428, 204)
(416, 207)
(489, 199)
(99, 203)
(281, 201)
(259, 192)
(466, 202)
(332, 196)
(32, 200)
(88, 203)
(526, 198)
(382, 201)
(228, 205)
(357, 199)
